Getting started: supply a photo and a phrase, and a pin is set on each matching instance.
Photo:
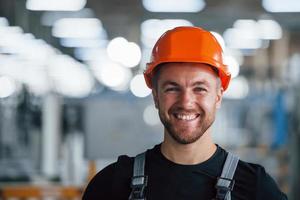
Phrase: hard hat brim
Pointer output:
(223, 75)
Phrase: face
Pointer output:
(187, 96)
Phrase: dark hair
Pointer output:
(155, 76)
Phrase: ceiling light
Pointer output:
(151, 116)
(233, 66)
(236, 53)
(31, 73)
(113, 75)
(55, 5)
(237, 89)
(48, 18)
(3, 21)
(8, 86)
(280, 6)
(36, 78)
(91, 54)
(78, 28)
(83, 42)
(138, 86)
(173, 5)
(269, 29)
(124, 52)
(10, 30)
(25, 45)
(70, 77)
(241, 39)
(249, 34)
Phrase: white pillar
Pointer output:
(51, 132)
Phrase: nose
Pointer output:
(186, 99)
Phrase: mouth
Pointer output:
(185, 117)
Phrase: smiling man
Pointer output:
(187, 96)
(187, 77)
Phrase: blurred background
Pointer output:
(72, 95)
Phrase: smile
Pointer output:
(186, 117)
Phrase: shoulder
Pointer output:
(255, 176)
(117, 174)
(122, 167)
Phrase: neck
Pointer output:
(188, 154)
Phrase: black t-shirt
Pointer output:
(168, 180)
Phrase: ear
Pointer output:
(219, 97)
(155, 98)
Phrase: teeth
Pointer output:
(185, 117)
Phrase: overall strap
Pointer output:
(225, 183)
(139, 180)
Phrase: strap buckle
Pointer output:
(138, 185)
(222, 191)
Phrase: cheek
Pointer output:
(207, 103)
(165, 102)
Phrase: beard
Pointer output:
(181, 133)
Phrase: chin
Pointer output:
(185, 138)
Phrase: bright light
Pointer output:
(24, 45)
(138, 86)
(10, 39)
(78, 28)
(12, 67)
(233, 66)
(3, 21)
(10, 30)
(280, 6)
(269, 29)
(132, 56)
(152, 29)
(238, 88)
(88, 54)
(85, 42)
(55, 5)
(174, 5)
(246, 24)
(151, 115)
(36, 50)
(241, 39)
(127, 53)
(48, 18)
(70, 77)
(116, 48)
(219, 39)
(113, 75)
(8, 86)
(236, 54)
(35, 77)
(30, 73)
(249, 34)
(248, 28)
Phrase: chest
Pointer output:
(178, 184)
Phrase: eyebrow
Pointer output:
(200, 83)
(166, 83)
(173, 83)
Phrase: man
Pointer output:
(187, 77)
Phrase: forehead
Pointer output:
(187, 72)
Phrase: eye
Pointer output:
(200, 89)
(171, 89)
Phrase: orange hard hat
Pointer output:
(188, 44)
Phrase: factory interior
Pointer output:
(73, 96)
